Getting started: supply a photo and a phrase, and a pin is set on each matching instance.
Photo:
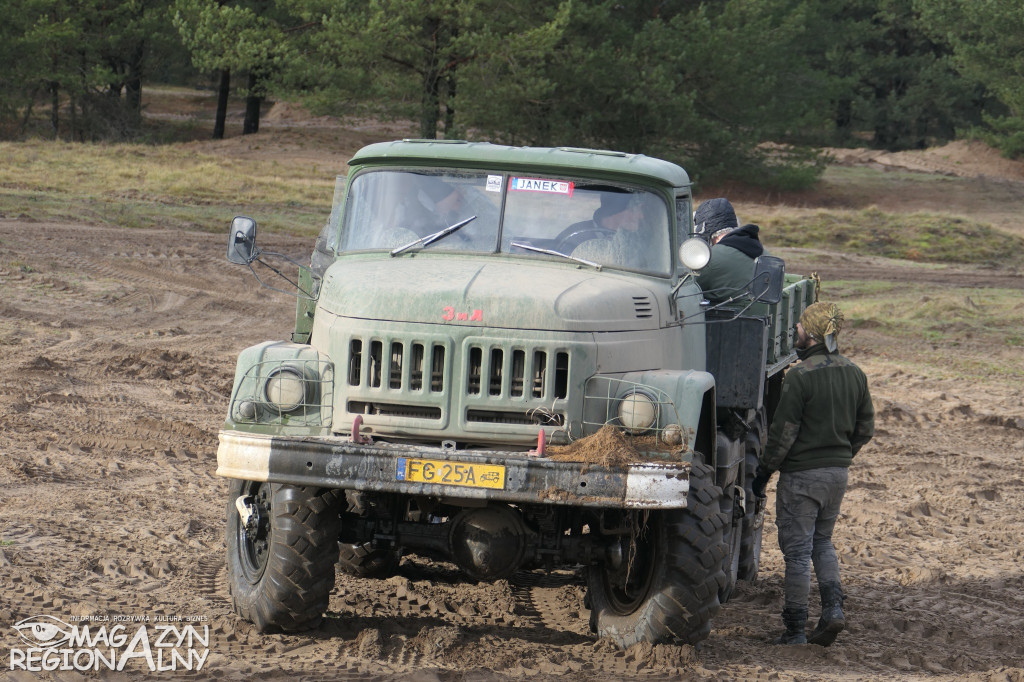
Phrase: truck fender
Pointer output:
(692, 394)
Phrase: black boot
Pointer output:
(795, 621)
(832, 620)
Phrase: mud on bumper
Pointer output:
(340, 463)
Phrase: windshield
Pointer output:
(536, 217)
(391, 209)
(606, 224)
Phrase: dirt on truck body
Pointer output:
(475, 321)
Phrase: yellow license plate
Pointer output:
(450, 473)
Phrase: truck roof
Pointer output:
(552, 160)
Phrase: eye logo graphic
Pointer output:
(44, 632)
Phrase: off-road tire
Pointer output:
(734, 535)
(750, 546)
(283, 579)
(685, 564)
(363, 560)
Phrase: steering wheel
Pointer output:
(569, 242)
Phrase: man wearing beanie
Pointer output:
(823, 418)
(733, 250)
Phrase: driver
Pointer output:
(617, 212)
(615, 235)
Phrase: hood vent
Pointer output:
(643, 307)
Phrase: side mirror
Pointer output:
(242, 241)
(768, 281)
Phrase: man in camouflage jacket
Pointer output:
(823, 418)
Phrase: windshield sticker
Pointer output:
(538, 185)
(493, 183)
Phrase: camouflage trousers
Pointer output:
(806, 508)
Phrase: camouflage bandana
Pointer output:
(822, 322)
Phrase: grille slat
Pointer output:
(376, 357)
(395, 366)
(518, 378)
(415, 379)
(495, 372)
(437, 369)
(538, 370)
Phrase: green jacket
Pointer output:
(732, 264)
(824, 414)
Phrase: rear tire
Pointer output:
(281, 573)
(734, 531)
(363, 560)
(753, 525)
(671, 590)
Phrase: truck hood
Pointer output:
(489, 292)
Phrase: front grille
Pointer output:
(500, 373)
(494, 389)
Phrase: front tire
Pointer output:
(670, 592)
(281, 567)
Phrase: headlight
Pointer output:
(638, 412)
(286, 389)
(694, 253)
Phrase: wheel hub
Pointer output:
(630, 581)
(254, 530)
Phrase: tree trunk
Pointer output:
(449, 109)
(28, 110)
(76, 134)
(54, 107)
(222, 104)
(430, 102)
(844, 118)
(251, 124)
(133, 83)
(429, 107)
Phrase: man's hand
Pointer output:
(760, 483)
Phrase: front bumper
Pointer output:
(340, 463)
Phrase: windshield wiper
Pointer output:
(431, 238)
(531, 247)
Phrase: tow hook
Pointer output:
(249, 515)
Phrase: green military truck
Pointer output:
(501, 359)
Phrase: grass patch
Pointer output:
(135, 185)
(913, 236)
(957, 331)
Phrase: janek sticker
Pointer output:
(541, 185)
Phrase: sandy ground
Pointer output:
(117, 350)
